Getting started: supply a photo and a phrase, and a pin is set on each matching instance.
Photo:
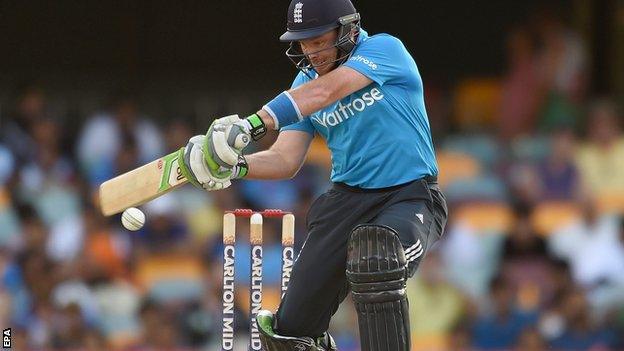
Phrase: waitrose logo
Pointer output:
(344, 112)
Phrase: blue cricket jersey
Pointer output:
(378, 136)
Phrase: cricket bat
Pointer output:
(141, 185)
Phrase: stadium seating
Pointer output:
(482, 147)
(552, 215)
(171, 277)
(611, 202)
(476, 102)
(454, 165)
(485, 217)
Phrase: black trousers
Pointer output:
(318, 284)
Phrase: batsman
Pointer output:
(368, 233)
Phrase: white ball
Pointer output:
(133, 218)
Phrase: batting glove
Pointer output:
(228, 136)
(200, 169)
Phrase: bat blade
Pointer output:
(141, 185)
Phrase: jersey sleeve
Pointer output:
(303, 126)
(300, 79)
(382, 58)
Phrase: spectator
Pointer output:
(29, 107)
(106, 252)
(106, 136)
(48, 181)
(68, 328)
(34, 231)
(199, 325)
(608, 296)
(558, 173)
(39, 276)
(561, 280)
(524, 182)
(95, 341)
(71, 290)
(563, 70)
(33, 237)
(7, 165)
(525, 264)
(118, 304)
(435, 305)
(520, 88)
(470, 258)
(531, 340)
(596, 256)
(158, 334)
(5, 301)
(460, 338)
(20, 339)
(177, 133)
(165, 231)
(600, 159)
(619, 326)
(502, 323)
(48, 184)
(579, 333)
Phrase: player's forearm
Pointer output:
(291, 106)
(270, 164)
(315, 95)
(309, 98)
(267, 119)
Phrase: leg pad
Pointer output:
(377, 271)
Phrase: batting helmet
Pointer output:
(311, 18)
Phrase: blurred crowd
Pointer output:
(532, 164)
